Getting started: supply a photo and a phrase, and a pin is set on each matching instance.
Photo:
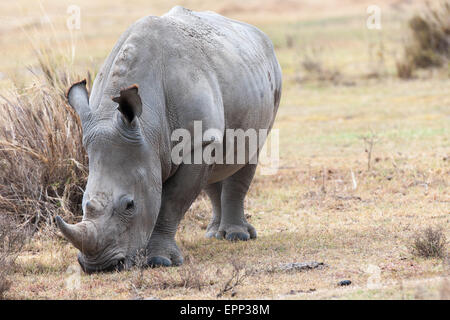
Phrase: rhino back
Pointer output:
(238, 56)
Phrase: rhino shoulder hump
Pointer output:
(178, 10)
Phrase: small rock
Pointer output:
(344, 283)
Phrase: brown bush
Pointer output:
(429, 45)
(430, 243)
(43, 166)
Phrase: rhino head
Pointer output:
(123, 193)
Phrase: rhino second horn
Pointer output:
(76, 234)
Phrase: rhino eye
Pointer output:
(126, 205)
(129, 204)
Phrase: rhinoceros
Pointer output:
(164, 74)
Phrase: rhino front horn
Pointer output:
(76, 234)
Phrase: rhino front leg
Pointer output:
(214, 192)
(233, 225)
(177, 196)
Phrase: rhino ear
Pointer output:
(130, 103)
(78, 98)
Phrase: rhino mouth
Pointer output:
(115, 264)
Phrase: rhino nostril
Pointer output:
(120, 264)
(89, 207)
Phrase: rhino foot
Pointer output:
(158, 261)
(163, 253)
(232, 232)
(212, 230)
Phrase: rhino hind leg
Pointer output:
(233, 224)
(214, 192)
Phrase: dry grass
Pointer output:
(314, 69)
(239, 273)
(189, 276)
(43, 165)
(11, 241)
(445, 290)
(322, 205)
(430, 243)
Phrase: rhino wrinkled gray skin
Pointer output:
(163, 74)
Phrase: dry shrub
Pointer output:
(429, 45)
(12, 239)
(430, 243)
(43, 166)
(240, 272)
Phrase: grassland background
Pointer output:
(310, 210)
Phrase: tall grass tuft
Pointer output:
(43, 166)
(430, 243)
